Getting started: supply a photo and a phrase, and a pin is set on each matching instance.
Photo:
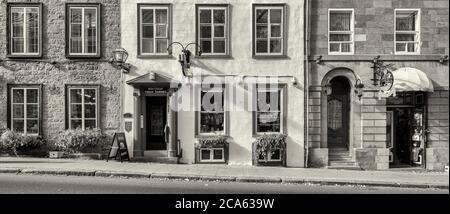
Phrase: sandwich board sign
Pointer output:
(119, 148)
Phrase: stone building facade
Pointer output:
(41, 76)
(245, 56)
(347, 38)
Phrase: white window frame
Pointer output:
(280, 91)
(211, 155)
(69, 106)
(416, 33)
(141, 24)
(25, 34)
(269, 32)
(351, 32)
(199, 122)
(269, 158)
(83, 48)
(213, 26)
(25, 103)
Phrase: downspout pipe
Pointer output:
(306, 78)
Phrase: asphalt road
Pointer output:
(49, 184)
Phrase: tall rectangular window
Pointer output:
(407, 31)
(25, 26)
(340, 31)
(153, 25)
(82, 107)
(212, 29)
(269, 31)
(212, 112)
(83, 28)
(269, 109)
(25, 109)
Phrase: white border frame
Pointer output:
(211, 155)
(352, 30)
(212, 8)
(269, 25)
(25, 103)
(418, 32)
(281, 92)
(69, 106)
(25, 34)
(154, 8)
(97, 23)
(225, 115)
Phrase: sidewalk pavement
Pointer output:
(216, 172)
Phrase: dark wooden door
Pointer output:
(338, 121)
(156, 121)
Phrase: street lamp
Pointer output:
(185, 57)
(120, 57)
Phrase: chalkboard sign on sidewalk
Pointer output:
(119, 148)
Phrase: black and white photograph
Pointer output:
(261, 98)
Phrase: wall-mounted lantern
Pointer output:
(327, 88)
(185, 57)
(120, 57)
(443, 59)
(359, 88)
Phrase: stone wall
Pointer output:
(438, 141)
(374, 24)
(54, 70)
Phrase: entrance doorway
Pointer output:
(338, 105)
(156, 108)
(406, 129)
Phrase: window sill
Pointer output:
(83, 56)
(155, 57)
(19, 56)
(270, 57)
(214, 57)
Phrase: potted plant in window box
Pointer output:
(269, 150)
(18, 144)
(212, 149)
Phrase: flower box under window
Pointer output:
(269, 150)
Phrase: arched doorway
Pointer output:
(338, 114)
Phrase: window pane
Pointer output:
(275, 31)
(90, 32)
(261, 15)
(32, 126)
(334, 47)
(18, 111)
(346, 47)
(89, 111)
(268, 122)
(147, 16)
(205, 154)
(261, 46)
(217, 154)
(261, 31)
(268, 101)
(212, 101)
(161, 31)
(219, 31)
(219, 46)
(75, 111)
(404, 37)
(32, 96)
(75, 15)
(275, 46)
(90, 124)
(275, 16)
(206, 46)
(147, 45)
(340, 21)
(211, 122)
(17, 46)
(275, 155)
(17, 15)
(161, 45)
(90, 96)
(219, 16)
(339, 37)
(161, 16)
(75, 124)
(17, 30)
(33, 30)
(147, 31)
(205, 16)
(18, 125)
(400, 47)
(32, 111)
(405, 21)
(411, 47)
(18, 95)
(205, 31)
(75, 96)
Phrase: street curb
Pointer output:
(246, 179)
(122, 174)
(10, 170)
(59, 172)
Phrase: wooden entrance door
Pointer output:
(338, 113)
(156, 121)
